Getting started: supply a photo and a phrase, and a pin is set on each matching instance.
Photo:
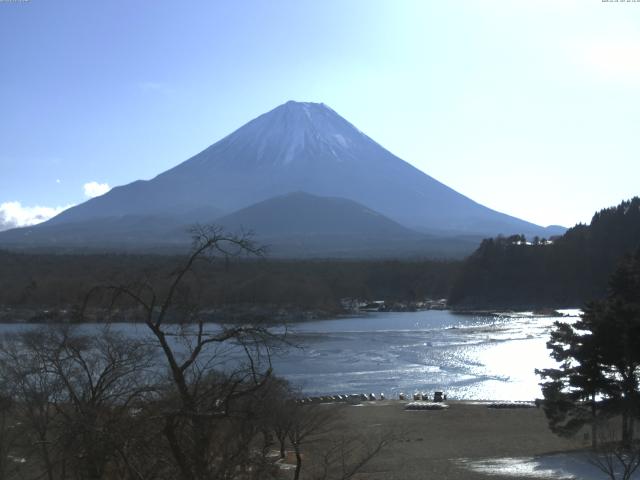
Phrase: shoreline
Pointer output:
(326, 400)
(267, 314)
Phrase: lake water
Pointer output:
(466, 356)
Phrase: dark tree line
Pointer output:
(509, 272)
(60, 282)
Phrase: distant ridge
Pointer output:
(300, 213)
(300, 224)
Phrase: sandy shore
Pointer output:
(436, 444)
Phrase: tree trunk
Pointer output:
(266, 442)
(200, 448)
(47, 460)
(169, 431)
(296, 448)
(626, 441)
(282, 441)
(594, 426)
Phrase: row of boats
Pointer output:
(352, 398)
(438, 396)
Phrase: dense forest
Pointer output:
(58, 282)
(509, 272)
(504, 272)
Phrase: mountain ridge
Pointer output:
(299, 147)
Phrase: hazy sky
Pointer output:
(531, 107)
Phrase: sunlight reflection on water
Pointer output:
(469, 357)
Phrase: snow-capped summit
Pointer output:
(294, 131)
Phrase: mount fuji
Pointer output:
(297, 147)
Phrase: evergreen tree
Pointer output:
(599, 355)
(571, 390)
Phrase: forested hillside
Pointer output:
(564, 272)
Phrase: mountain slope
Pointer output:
(300, 213)
(130, 231)
(302, 147)
(303, 225)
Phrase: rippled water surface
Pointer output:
(469, 357)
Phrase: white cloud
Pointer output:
(14, 214)
(95, 189)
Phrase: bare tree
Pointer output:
(9, 464)
(34, 391)
(617, 459)
(213, 370)
(327, 455)
(306, 421)
(282, 416)
(345, 456)
(73, 394)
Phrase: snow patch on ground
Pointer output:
(565, 466)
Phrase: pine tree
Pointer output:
(599, 355)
